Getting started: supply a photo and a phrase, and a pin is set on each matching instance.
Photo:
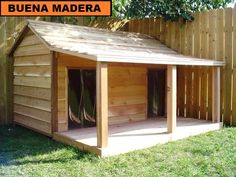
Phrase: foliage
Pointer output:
(24, 153)
(170, 9)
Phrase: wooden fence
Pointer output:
(212, 35)
(8, 28)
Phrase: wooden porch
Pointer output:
(131, 136)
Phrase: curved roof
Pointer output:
(108, 46)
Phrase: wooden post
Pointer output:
(216, 94)
(102, 104)
(171, 98)
(54, 92)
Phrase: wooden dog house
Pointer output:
(45, 52)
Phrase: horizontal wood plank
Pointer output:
(30, 40)
(31, 50)
(33, 123)
(33, 102)
(39, 71)
(41, 93)
(126, 100)
(35, 113)
(126, 110)
(41, 82)
(37, 60)
(126, 118)
(127, 91)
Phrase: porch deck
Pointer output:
(134, 135)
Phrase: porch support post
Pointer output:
(171, 97)
(216, 94)
(102, 104)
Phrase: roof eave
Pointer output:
(68, 52)
(161, 62)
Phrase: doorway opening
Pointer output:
(156, 92)
(81, 98)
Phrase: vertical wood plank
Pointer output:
(187, 41)
(209, 94)
(177, 37)
(66, 98)
(220, 20)
(158, 28)
(171, 98)
(130, 26)
(189, 92)
(190, 39)
(196, 92)
(229, 66)
(234, 69)
(162, 30)
(167, 33)
(139, 26)
(182, 43)
(212, 34)
(181, 92)
(151, 27)
(204, 34)
(102, 104)
(136, 26)
(216, 94)
(197, 35)
(54, 95)
(203, 101)
(220, 50)
(145, 26)
(173, 36)
(211, 55)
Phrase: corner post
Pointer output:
(171, 97)
(216, 94)
(102, 104)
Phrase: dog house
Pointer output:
(86, 86)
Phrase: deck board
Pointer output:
(135, 135)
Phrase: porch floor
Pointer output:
(134, 135)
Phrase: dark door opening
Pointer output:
(81, 98)
(156, 93)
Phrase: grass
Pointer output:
(25, 153)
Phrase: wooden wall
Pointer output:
(127, 91)
(32, 85)
(63, 63)
(211, 35)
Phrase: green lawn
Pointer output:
(25, 153)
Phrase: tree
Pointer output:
(169, 9)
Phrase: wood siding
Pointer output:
(127, 90)
(127, 93)
(64, 62)
(32, 85)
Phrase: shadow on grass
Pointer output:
(20, 146)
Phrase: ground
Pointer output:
(25, 153)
